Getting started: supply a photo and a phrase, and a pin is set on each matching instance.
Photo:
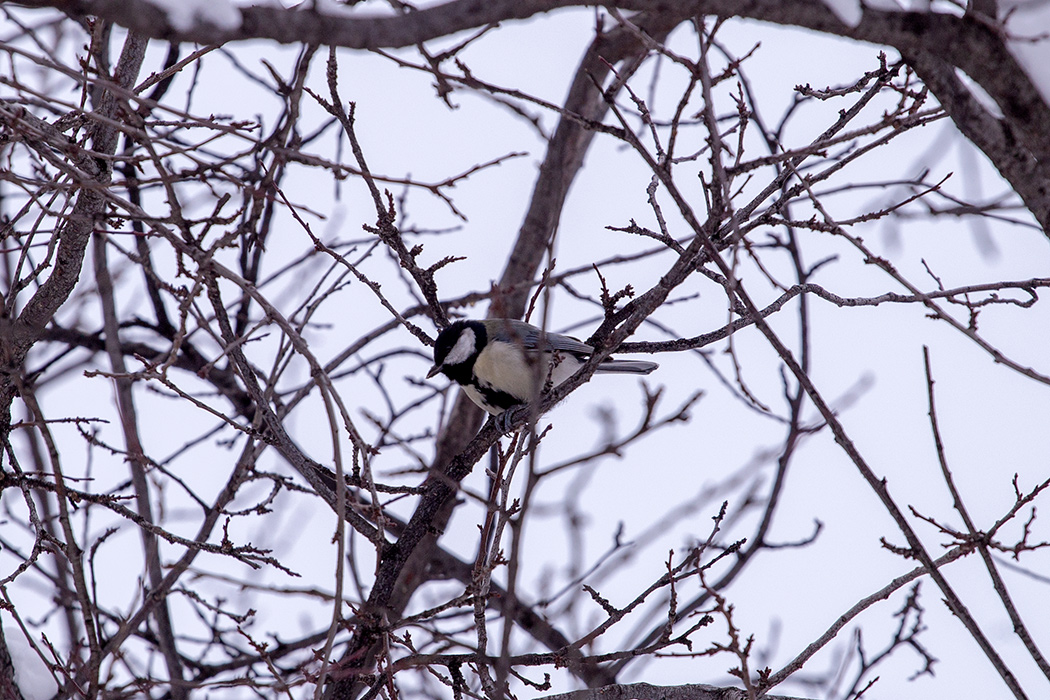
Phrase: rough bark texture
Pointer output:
(935, 45)
(971, 43)
(404, 567)
(8, 688)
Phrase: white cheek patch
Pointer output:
(463, 348)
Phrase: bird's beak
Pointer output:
(433, 370)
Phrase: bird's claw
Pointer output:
(505, 420)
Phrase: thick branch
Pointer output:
(997, 138)
(404, 564)
(968, 42)
(693, 691)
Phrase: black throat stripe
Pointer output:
(496, 398)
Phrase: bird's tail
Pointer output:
(627, 366)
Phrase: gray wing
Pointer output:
(532, 338)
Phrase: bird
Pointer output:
(501, 363)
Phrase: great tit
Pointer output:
(500, 363)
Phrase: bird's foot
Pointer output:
(505, 420)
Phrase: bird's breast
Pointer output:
(503, 376)
(503, 366)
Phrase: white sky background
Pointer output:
(993, 421)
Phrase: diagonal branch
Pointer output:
(971, 42)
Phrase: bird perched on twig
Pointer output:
(498, 361)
